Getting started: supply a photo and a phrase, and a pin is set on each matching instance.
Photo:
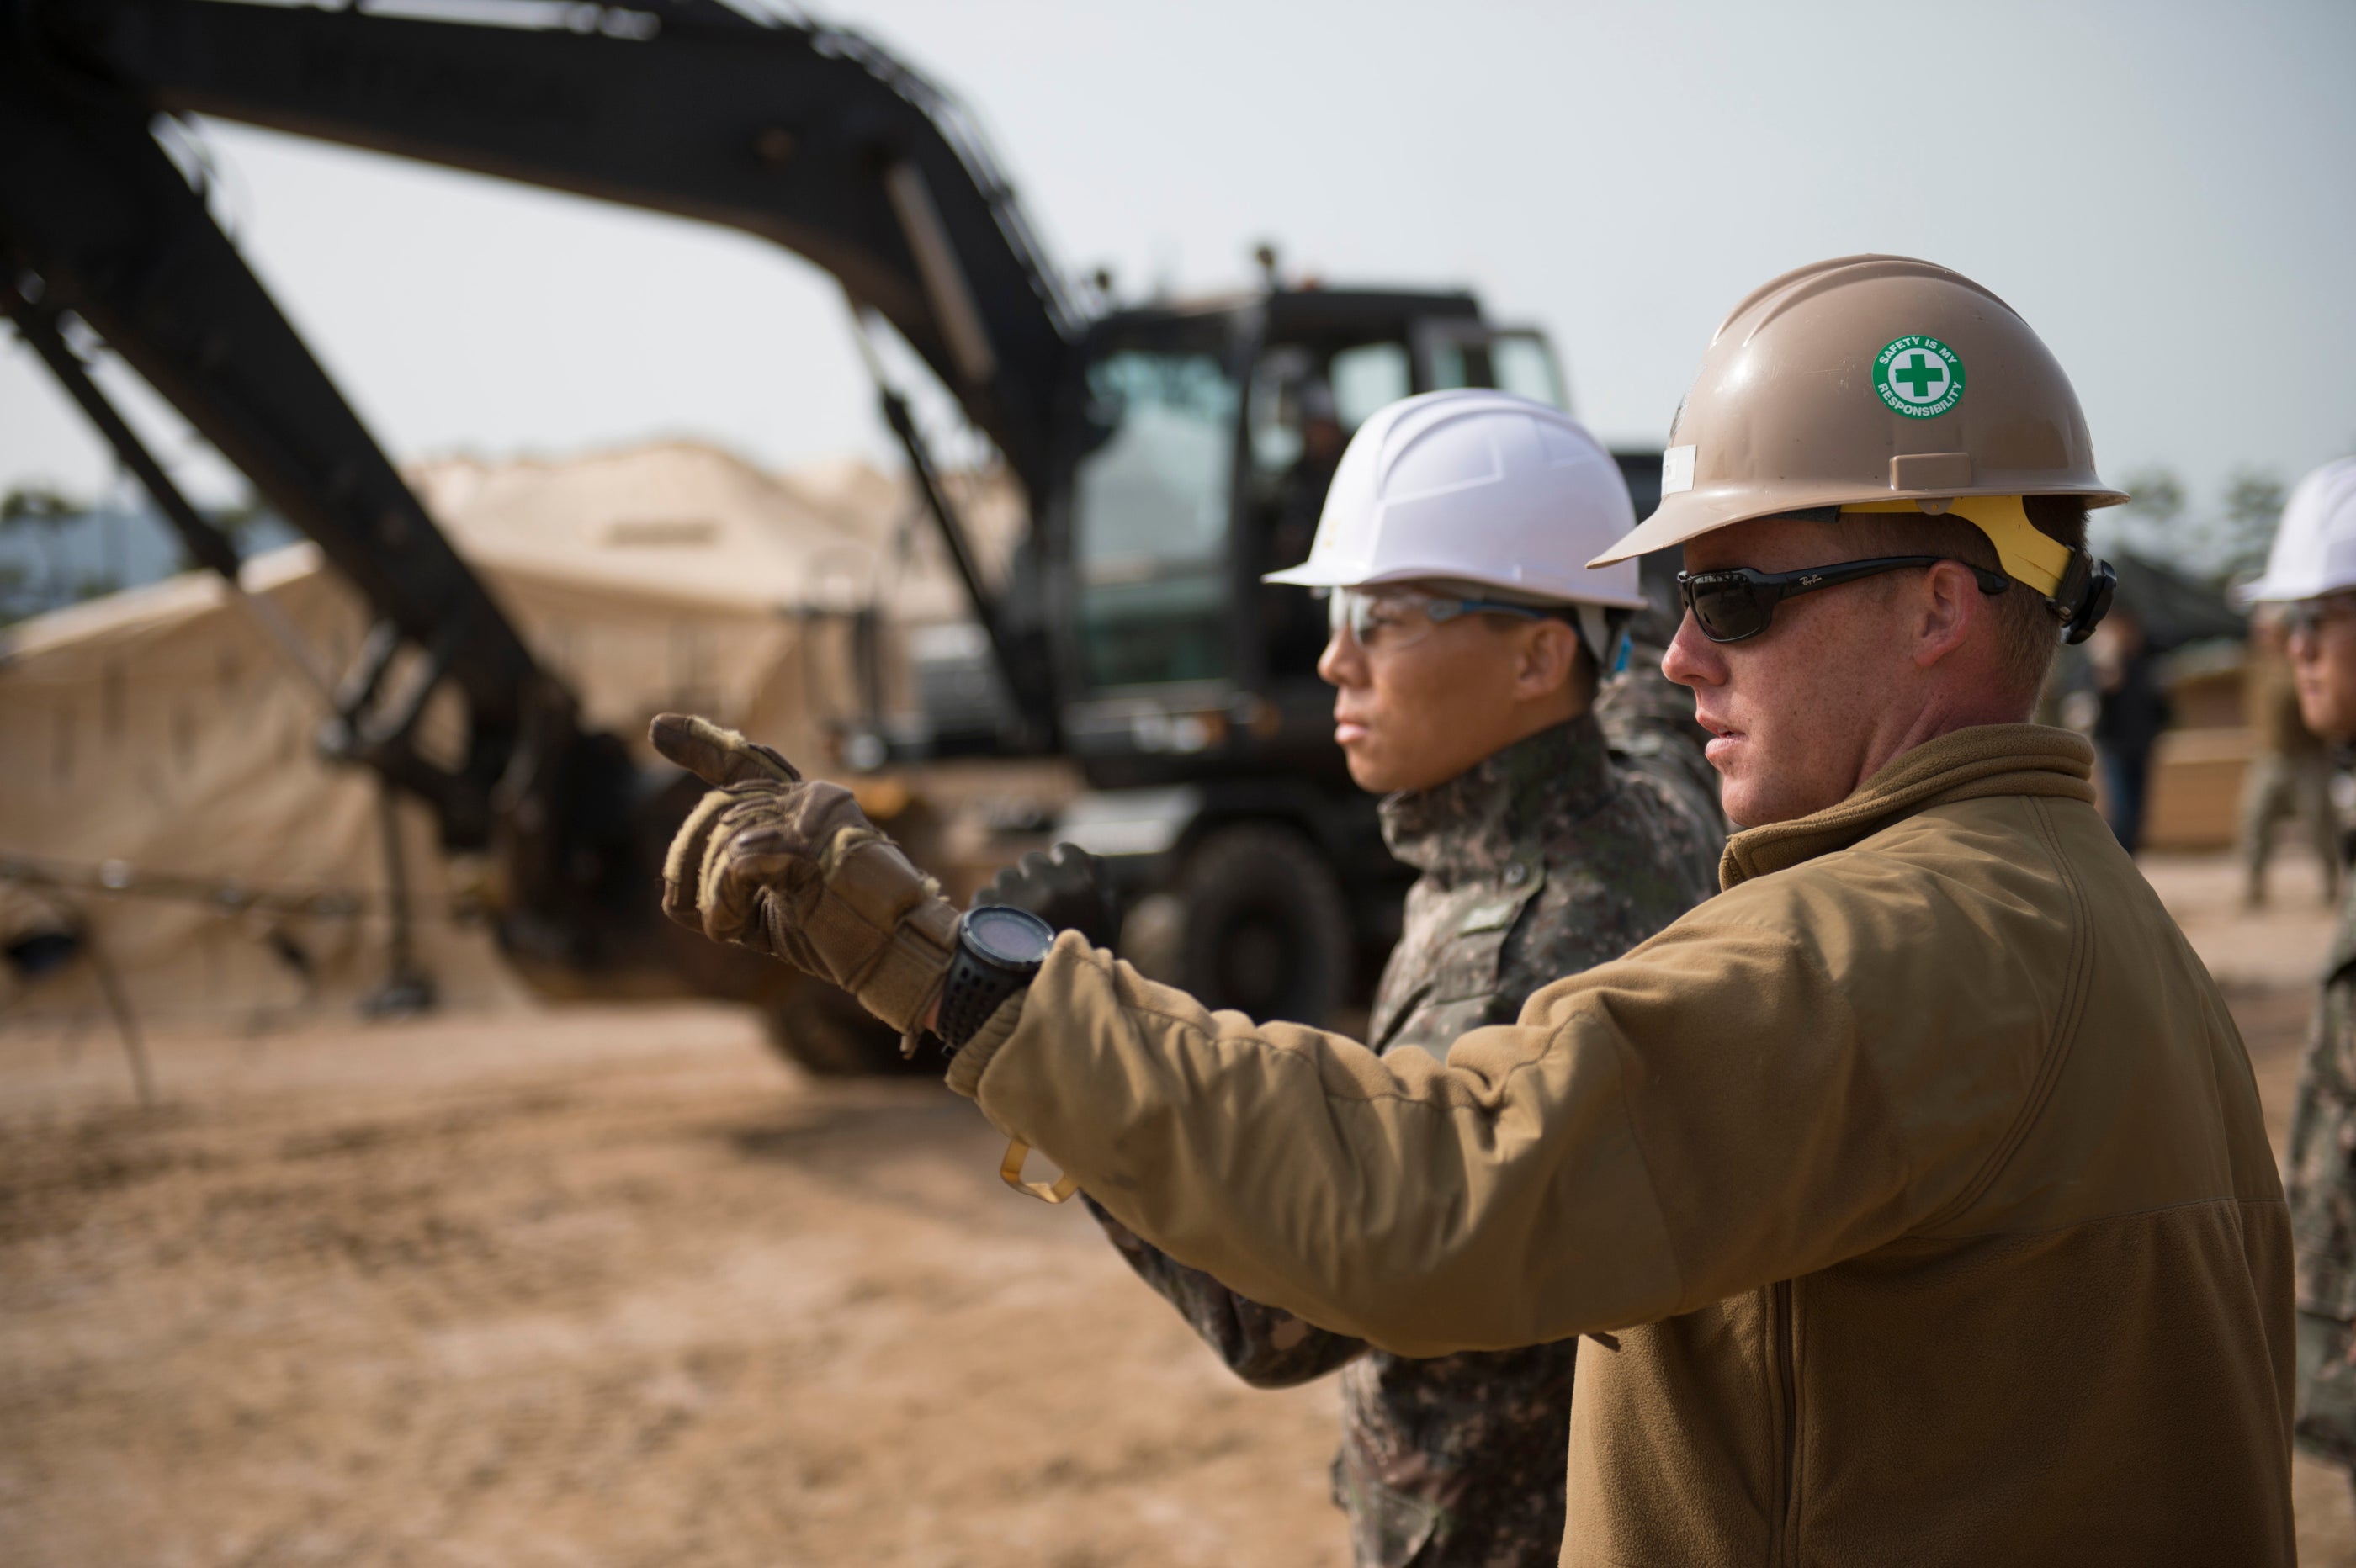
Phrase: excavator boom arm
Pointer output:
(96, 221)
(812, 137)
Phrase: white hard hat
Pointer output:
(1474, 486)
(2315, 548)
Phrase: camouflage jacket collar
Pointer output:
(1479, 817)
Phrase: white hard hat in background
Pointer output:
(1474, 486)
(2315, 548)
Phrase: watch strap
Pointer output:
(970, 992)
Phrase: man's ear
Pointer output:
(1548, 660)
(1947, 604)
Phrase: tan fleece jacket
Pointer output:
(1915, 1190)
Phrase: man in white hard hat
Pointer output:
(1913, 1190)
(1468, 646)
(2310, 582)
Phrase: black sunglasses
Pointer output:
(1736, 602)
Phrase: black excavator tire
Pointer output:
(1266, 930)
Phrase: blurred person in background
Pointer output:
(1294, 633)
(1467, 647)
(1303, 498)
(2131, 711)
(2310, 580)
(2290, 768)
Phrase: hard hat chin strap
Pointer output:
(2075, 585)
(1597, 630)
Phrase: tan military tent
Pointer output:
(157, 742)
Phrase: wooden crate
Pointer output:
(2195, 797)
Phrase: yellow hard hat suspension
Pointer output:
(2029, 555)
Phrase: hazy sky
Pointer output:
(2167, 191)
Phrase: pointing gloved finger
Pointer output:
(717, 755)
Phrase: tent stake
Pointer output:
(110, 984)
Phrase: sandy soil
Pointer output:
(614, 1286)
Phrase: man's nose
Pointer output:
(1344, 662)
(1693, 659)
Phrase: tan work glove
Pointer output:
(793, 868)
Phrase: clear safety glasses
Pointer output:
(2308, 617)
(1738, 602)
(1384, 620)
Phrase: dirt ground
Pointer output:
(611, 1287)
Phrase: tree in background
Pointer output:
(2150, 525)
(2212, 546)
(2158, 497)
(240, 520)
(2253, 503)
(51, 521)
(42, 515)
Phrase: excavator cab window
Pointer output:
(1458, 353)
(1151, 500)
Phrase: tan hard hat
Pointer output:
(1874, 382)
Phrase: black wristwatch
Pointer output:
(998, 951)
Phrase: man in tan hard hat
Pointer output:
(1913, 1190)
(1471, 653)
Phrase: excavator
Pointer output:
(1169, 452)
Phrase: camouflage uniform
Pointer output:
(1648, 720)
(2321, 1186)
(1550, 856)
(2290, 775)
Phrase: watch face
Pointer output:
(1011, 936)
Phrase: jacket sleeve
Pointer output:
(1264, 1346)
(1701, 1117)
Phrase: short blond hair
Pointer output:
(2025, 620)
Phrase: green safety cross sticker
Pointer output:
(1921, 377)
